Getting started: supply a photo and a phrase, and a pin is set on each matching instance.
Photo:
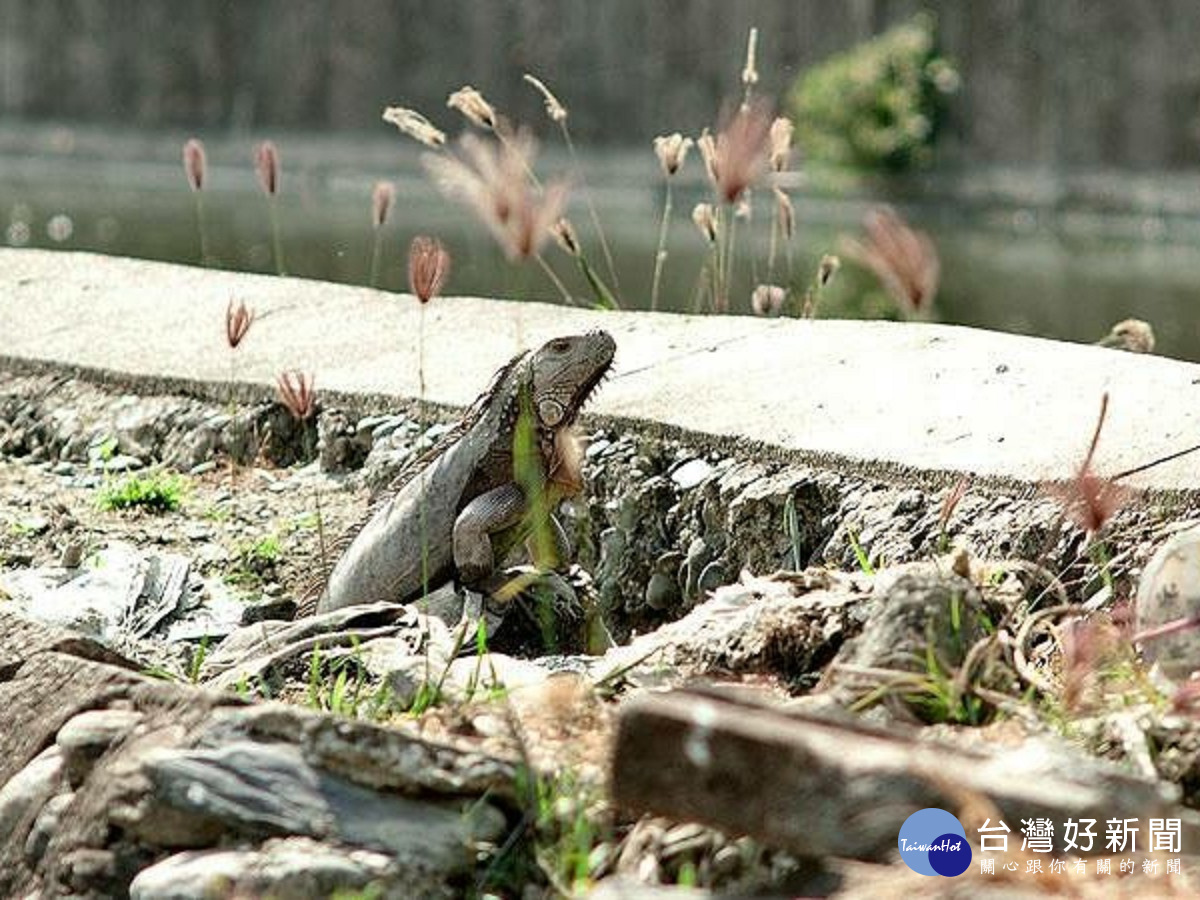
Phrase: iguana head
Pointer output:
(564, 372)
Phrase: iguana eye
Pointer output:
(560, 345)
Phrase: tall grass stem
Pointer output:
(276, 238)
(562, 288)
(204, 254)
(587, 196)
(660, 257)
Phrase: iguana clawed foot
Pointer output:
(544, 608)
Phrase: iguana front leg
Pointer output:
(493, 511)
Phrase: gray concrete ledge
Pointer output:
(930, 398)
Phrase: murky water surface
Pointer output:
(1067, 276)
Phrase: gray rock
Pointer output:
(45, 826)
(262, 789)
(28, 791)
(32, 526)
(691, 473)
(914, 610)
(475, 677)
(340, 446)
(1168, 595)
(89, 734)
(662, 591)
(597, 449)
(122, 462)
(120, 594)
(298, 868)
(254, 650)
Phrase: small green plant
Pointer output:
(429, 693)
(792, 521)
(559, 839)
(566, 832)
(196, 663)
(242, 688)
(343, 689)
(877, 105)
(216, 513)
(107, 449)
(956, 677)
(256, 561)
(339, 686)
(154, 492)
(864, 562)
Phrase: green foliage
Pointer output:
(562, 837)
(256, 561)
(154, 492)
(196, 663)
(339, 686)
(792, 522)
(864, 562)
(877, 105)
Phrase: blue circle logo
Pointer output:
(933, 842)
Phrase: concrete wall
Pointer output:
(1047, 82)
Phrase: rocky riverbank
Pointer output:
(173, 532)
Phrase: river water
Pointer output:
(1029, 260)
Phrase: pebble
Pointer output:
(122, 462)
(691, 473)
(197, 532)
(908, 502)
(34, 525)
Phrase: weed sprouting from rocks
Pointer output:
(156, 492)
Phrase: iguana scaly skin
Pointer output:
(464, 500)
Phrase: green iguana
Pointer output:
(464, 496)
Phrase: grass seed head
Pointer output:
(1132, 335)
(414, 125)
(471, 104)
(828, 269)
(428, 267)
(750, 70)
(492, 178)
(904, 259)
(706, 220)
(195, 163)
(767, 299)
(238, 319)
(297, 394)
(568, 239)
(672, 151)
(554, 108)
(781, 142)
(266, 163)
(382, 197)
(738, 154)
